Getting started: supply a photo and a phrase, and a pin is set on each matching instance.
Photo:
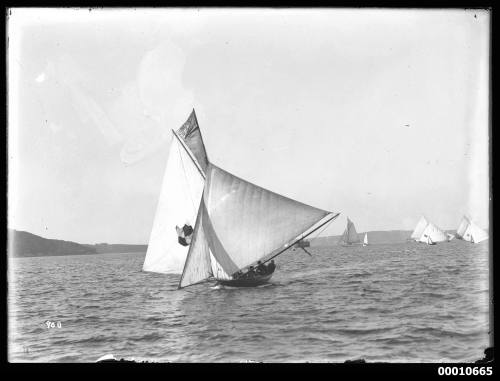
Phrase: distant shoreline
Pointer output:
(23, 244)
(74, 255)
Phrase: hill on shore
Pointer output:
(24, 244)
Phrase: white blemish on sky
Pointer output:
(40, 78)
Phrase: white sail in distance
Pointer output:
(241, 223)
(464, 223)
(419, 229)
(432, 233)
(474, 233)
(179, 200)
(365, 240)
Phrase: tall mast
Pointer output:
(190, 154)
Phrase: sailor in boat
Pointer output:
(271, 267)
(252, 272)
(261, 268)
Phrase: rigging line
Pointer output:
(306, 251)
(187, 180)
(322, 230)
(190, 154)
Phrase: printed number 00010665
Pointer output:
(465, 371)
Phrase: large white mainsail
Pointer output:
(474, 233)
(241, 223)
(180, 195)
(432, 234)
(419, 229)
(350, 235)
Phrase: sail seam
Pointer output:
(215, 243)
(190, 154)
(187, 180)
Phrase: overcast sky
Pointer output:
(381, 115)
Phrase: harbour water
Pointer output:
(404, 302)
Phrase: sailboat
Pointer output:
(365, 240)
(468, 230)
(419, 229)
(239, 224)
(432, 235)
(350, 236)
(180, 195)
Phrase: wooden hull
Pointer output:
(246, 282)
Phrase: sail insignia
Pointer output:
(184, 234)
(190, 133)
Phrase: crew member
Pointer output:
(271, 267)
(261, 269)
(251, 272)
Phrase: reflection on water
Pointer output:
(401, 302)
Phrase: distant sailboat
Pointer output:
(239, 224)
(365, 240)
(432, 235)
(350, 236)
(450, 236)
(179, 200)
(462, 227)
(419, 229)
(469, 231)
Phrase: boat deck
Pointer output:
(256, 280)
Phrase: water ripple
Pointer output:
(402, 302)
